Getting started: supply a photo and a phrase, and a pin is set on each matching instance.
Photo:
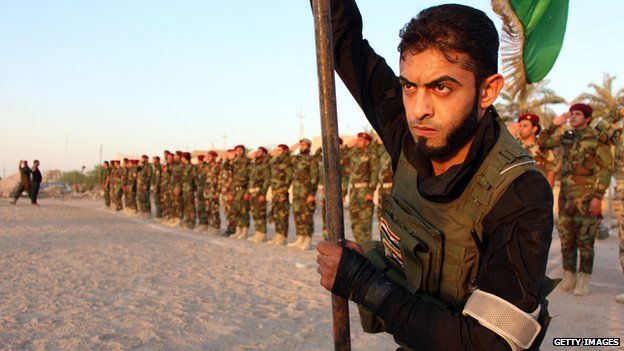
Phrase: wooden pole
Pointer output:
(331, 156)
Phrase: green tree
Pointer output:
(535, 98)
(604, 99)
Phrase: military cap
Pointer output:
(201, 157)
(167, 152)
(307, 141)
(186, 155)
(263, 149)
(230, 150)
(212, 153)
(284, 147)
(179, 153)
(365, 135)
(586, 109)
(136, 162)
(241, 146)
(531, 117)
(126, 159)
(157, 158)
(340, 141)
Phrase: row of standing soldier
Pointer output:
(190, 195)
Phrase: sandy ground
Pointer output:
(76, 276)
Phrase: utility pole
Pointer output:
(65, 151)
(225, 138)
(301, 118)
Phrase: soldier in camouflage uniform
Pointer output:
(117, 185)
(259, 181)
(132, 177)
(586, 174)
(144, 181)
(305, 184)
(189, 186)
(386, 175)
(526, 130)
(176, 203)
(127, 186)
(364, 164)
(166, 195)
(619, 198)
(212, 192)
(156, 179)
(105, 183)
(202, 177)
(240, 204)
(227, 191)
(281, 178)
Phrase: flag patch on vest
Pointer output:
(391, 243)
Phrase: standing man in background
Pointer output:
(35, 182)
(156, 178)
(105, 182)
(24, 183)
(364, 166)
(305, 184)
(259, 180)
(144, 181)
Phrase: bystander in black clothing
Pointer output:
(35, 183)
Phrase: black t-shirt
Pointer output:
(36, 176)
(517, 232)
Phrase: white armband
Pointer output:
(517, 327)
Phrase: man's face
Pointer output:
(105, 166)
(144, 160)
(184, 160)
(622, 111)
(440, 101)
(303, 147)
(155, 161)
(361, 143)
(239, 152)
(526, 129)
(578, 120)
(169, 158)
(176, 158)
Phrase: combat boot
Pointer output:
(620, 298)
(582, 284)
(296, 243)
(280, 239)
(258, 237)
(305, 243)
(568, 282)
(243, 233)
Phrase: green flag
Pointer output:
(533, 32)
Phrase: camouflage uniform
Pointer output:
(156, 190)
(211, 194)
(117, 184)
(227, 191)
(544, 158)
(586, 174)
(259, 180)
(305, 183)
(202, 176)
(344, 179)
(166, 192)
(281, 178)
(240, 180)
(364, 167)
(127, 191)
(132, 186)
(176, 202)
(106, 185)
(144, 180)
(188, 179)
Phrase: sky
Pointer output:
(135, 77)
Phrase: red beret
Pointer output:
(126, 159)
(212, 153)
(365, 136)
(136, 162)
(241, 146)
(263, 149)
(179, 153)
(340, 141)
(201, 157)
(167, 152)
(531, 117)
(186, 154)
(284, 147)
(586, 109)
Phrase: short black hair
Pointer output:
(458, 28)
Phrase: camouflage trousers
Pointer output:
(157, 203)
(128, 203)
(201, 206)
(107, 196)
(177, 203)
(618, 206)
(361, 213)
(213, 217)
(117, 194)
(143, 198)
(258, 213)
(21, 187)
(577, 230)
(304, 216)
(240, 209)
(227, 208)
(280, 211)
(188, 198)
(165, 199)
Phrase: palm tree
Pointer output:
(535, 98)
(604, 100)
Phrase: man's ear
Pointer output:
(490, 88)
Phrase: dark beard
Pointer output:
(455, 140)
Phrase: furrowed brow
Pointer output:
(442, 79)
